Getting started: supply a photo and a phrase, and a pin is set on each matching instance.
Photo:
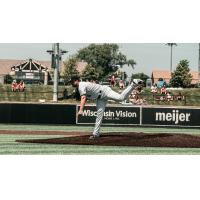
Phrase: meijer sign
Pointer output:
(171, 116)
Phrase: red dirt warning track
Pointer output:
(123, 139)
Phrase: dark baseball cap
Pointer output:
(74, 78)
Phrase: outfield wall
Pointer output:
(114, 115)
(37, 113)
(144, 116)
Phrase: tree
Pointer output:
(8, 79)
(181, 77)
(70, 69)
(132, 63)
(90, 73)
(121, 59)
(105, 58)
(141, 76)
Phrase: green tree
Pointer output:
(105, 58)
(141, 76)
(90, 73)
(131, 63)
(121, 59)
(181, 77)
(70, 69)
(8, 79)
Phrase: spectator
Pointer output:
(21, 86)
(179, 97)
(169, 96)
(154, 89)
(65, 94)
(163, 90)
(121, 84)
(14, 86)
(135, 97)
(112, 81)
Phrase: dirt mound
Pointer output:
(126, 139)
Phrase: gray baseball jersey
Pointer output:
(92, 90)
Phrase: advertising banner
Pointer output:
(112, 115)
(171, 116)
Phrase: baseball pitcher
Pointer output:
(101, 94)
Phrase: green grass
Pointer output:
(32, 93)
(9, 146)
(35, 92)
(90, 128)
(192, 97)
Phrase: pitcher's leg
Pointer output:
(124, 95)
(101, 105)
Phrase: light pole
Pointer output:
(55, 62)
(55, 77)
(171, 48)
(199, 68)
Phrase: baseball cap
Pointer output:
(74, 78)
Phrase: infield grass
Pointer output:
(9, 146)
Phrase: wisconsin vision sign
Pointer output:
(112, 115)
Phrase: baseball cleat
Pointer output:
(94, 137)
(138, 81)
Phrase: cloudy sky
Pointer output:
(148, 56)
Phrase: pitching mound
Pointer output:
(126, 139)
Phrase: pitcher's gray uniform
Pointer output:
(102, 93)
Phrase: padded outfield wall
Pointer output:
(34, 113)
(144, 116)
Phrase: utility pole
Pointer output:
(199, 68)
(171, 54)
(171, 46)
(57, 65)
(55, 60)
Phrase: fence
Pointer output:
(49, 113)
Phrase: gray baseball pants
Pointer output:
(101, 104)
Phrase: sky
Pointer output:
(105, 21)
(148, 56)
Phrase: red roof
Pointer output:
(161, 74)
(6, 64)
(166, 75)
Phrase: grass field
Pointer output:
(8, 144)
(35, 92)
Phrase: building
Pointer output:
(166, 75)
(157, 74)
(5, 68)
(27, 70)
(31, 71)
